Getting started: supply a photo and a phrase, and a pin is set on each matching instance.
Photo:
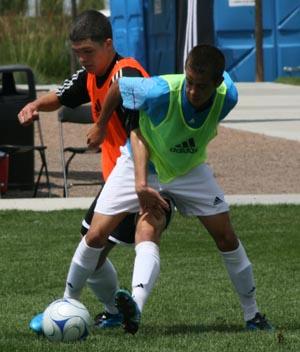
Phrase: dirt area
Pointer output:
(243, 162)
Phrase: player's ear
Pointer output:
(108, 43)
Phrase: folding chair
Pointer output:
(80, 115)
(15, 150)
(15, 140)
(4, 159)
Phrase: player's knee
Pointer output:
(227, 241)
(150, 228)
(95, 237)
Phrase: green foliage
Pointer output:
(15, 6)
(90, 4)
(51, 7)
(192, 308)
(41, 43)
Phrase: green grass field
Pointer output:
(289, 80)
(192, 308)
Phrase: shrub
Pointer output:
(40, 43)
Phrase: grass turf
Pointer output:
(192, 308)
(289, 80)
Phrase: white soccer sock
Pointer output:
(83, 264)
(104, 284)
(145, 272)
(240, 272)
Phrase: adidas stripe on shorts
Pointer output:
(196, 193)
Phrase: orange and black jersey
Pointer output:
(86, 87)
(73, 92)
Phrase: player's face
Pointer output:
(199, 86)
(94, 56)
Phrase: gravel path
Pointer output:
(243, 162)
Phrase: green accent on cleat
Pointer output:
(131, 313)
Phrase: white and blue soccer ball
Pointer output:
(66, 320)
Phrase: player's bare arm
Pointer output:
(29, 113)
(96, 134)
(149, 198)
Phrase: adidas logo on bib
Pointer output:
(188, 146)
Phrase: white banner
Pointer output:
(234, 3)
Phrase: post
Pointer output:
(259, 41)
(73, 57)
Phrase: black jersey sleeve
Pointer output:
(73, 92)
(129, 118)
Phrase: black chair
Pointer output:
(80, 115)
(15, 140)
(4, 162)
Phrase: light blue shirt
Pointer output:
(152, 96)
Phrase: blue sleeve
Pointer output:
(231, 98)
(148, 94)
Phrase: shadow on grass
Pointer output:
(178, 329)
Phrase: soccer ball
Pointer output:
(66, 320)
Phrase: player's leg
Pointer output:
(145, 272)
(116, 199)
(238, 266)
(86, 222)
(84, 264)
(88, 252)
(235, 259)
(104, 281)
(199, 194)
(146, 267)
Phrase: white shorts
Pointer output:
(196, 193)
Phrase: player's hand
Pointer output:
(151, 201)
(95, 136)
(28, 114)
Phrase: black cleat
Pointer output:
(131, 313)
(259, 322)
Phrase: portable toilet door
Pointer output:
(234, 22)
(160, 18)
(127, 19)
(288, 37)
(146, 30)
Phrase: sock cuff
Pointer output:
(237, 258)
(88, 248)
(86, 256)
(236, 255)
(235, 251)
(147, 246)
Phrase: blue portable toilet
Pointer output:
(234, 35)
(288, 35)
(146, 30)
(160, 17)
(127, 19)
